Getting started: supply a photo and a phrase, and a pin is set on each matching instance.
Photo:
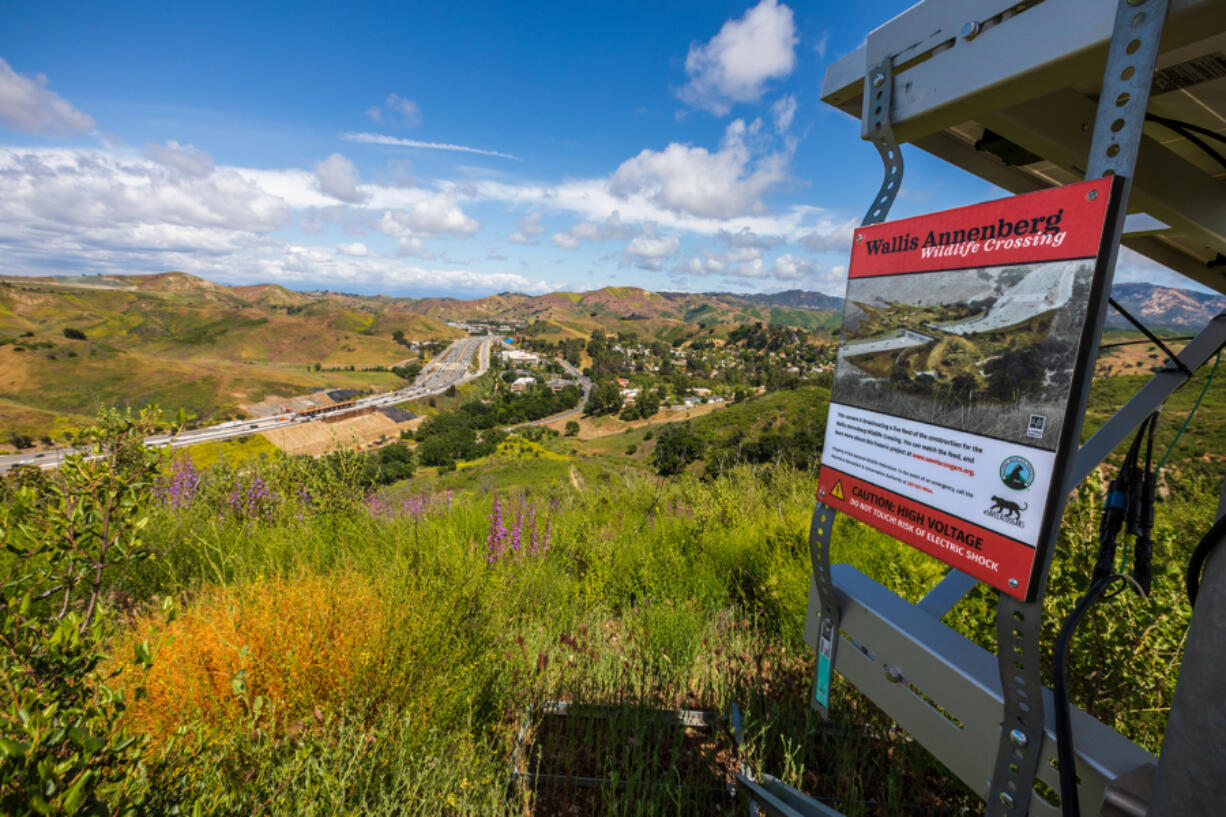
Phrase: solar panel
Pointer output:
(1009, 93)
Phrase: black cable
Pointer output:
(1120, 496)
(1069, 805)
(1192, 126)
(1143, 543)
(1154, 338)
(1129, 508)
(1200, 555)
(1187, 131)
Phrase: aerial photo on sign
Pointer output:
(988, 351)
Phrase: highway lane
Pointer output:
(449, 368)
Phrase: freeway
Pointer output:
(450, 368)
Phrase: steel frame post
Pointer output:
(878, 100)
(1131, 59)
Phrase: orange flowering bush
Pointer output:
(263, 655)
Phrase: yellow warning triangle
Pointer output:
(837, 490)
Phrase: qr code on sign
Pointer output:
(1037, 423)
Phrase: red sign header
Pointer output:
(1050, 225)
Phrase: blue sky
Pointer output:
(443, 149)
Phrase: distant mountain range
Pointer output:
(1182, 310)
(186, 342)
(794, 299)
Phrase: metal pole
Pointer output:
(1113, 152)
(1193, 759)
(878, 101)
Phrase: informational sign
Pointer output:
(965, 336)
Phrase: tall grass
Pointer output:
(394, 626)
(378, 655)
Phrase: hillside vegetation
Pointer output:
(300, 640)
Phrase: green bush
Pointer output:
(62, 748)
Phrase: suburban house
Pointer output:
(521, 383)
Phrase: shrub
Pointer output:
(62, 750)
(262, 655)
(74, 334)
(678, 447)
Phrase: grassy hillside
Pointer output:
(339, 650)
(183, 342)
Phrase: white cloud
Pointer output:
(529, 228)
(748, 263)
(69, 189)
(28, 105)
(382, 139)
(738, 61)
(693, 180)
(411, 246)
(338, 178)
(311, 265)
(439, 214)
(649, 251)
(610, 229)
(357, 249)
(745, 237)
(593, 200)
(185, 158)
(790, 268)
(396, 110)
(821, 45)
(831, 238)
(94, 211)
(405, 109)
(565, 241)
(784, 110)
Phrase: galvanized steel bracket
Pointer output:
(1113, 151)
(878, 97)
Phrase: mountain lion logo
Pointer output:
(1017, 473)
(1005, 507)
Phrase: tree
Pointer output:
(74, 334)
(572, 428)
(389, 464)
(649, 403)
(605, 399)
(677, 447)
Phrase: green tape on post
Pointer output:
(825, 649)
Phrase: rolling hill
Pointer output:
(185, 342)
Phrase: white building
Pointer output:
(520, 358)
(521, 383)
